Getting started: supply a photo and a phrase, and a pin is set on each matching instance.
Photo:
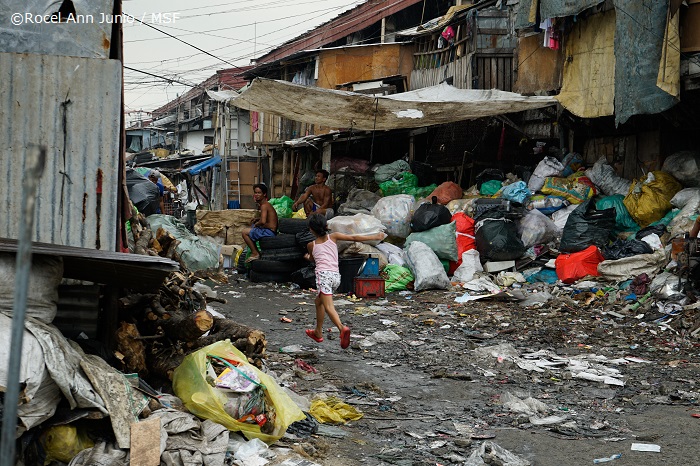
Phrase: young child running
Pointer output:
(324, 252)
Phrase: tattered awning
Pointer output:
(202, 166)
(342, 109)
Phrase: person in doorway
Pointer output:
(324, 252)
(318, 198)
(263, 225)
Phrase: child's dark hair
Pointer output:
(318, 224)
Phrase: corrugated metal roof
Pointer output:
(27, 27)
(72, 106)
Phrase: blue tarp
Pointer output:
(202, 166)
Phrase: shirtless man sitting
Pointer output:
(262, 226)
(318, 197)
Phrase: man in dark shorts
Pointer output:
(262, 226)
(318, 197)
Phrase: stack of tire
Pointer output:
(283, 254)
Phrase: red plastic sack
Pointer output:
(446, 192)
(572, 267)
(465, 237)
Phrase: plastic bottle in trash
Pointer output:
(640, 301)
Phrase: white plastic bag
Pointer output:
(358, 224)
(536, 228)
(394, 212)
(426, 267)
(562, 215)
(395, 255)
(470, 265)
(549, 166)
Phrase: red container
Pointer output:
(369, 287)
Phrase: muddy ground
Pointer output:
(433, 395)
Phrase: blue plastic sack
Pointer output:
(516, 192)
(623, 219)
(548, 276)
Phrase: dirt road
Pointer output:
(453, 376)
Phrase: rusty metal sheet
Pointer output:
(72, 106)
(33, 26)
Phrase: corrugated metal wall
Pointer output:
(72, 106)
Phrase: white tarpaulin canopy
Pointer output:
(342, 109)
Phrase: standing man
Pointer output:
(154, 176)
(318, 198)
(262, 226)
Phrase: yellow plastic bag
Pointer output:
(63, 443)
(301, 213)
(333, 411)
(649, 198)
(207, 402)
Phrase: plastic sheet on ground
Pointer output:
(379, 337)
(194, 252)
(630, 267)
(489, 453)
(333, 411)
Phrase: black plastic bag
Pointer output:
(144, 194)
(658, 230)
(497, 237)
(305, 277)
(587, 226)
(621, 248)
(488, 175)
(429, 216)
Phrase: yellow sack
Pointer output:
(63, 443)
(649, 198)
(301, 213)
(333, 411)
(207, 402)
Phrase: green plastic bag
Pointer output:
(401, 185)
(623, 219)
(283, 206)
(419, 193)
(207, 402)
(489, 188)
(397, 278)
(442, 240)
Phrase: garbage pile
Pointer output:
(82, 403)
(564, 223)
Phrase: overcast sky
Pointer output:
(235, 31)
